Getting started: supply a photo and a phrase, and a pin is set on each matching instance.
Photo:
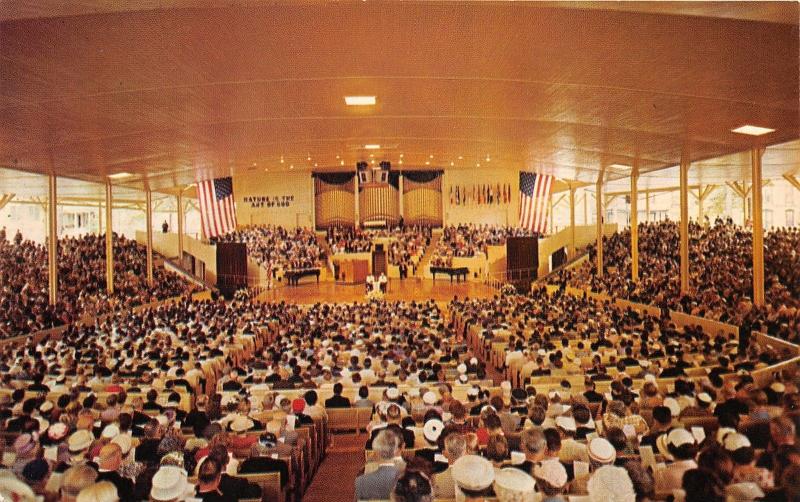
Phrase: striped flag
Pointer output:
(534, 194)
(217, 210)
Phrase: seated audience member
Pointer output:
(337, 400)
(380, 483)
(208, 486)
(412, 486)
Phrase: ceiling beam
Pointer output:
(792, 179)
(651, 190)
(5, 199)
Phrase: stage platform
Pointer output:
(407, 289)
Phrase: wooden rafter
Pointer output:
(5, 199)
(792, 179)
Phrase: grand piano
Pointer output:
(293, 276)
(460, 273)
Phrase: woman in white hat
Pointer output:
(170, 484)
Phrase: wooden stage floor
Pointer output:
(407, 289)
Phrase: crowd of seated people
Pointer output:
(278, 248)
(24, 306)
(720, 274)
(439, 429)
(464, 241)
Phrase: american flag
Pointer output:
(534, 194)
(217, 210)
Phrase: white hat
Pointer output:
(472, 391)
(743, 492)
(462, 368)
(674, 407)
(110, 432)
(552, 472)
(473, 361)
(432, 429)
(650, 378)
(412, 392)
(392, 393)
(463, 378)
(601, 451)
(79, 440)
(611, 484)
(777, 387)
(734, 441)
(169, 483)
(11, 488)
(241, 424)
(46, 406)
(513, 484)
(679, 437)
(429, 398)
(124, 442)
(472, 472)
(723, 432)
(704, 397)
(566, 423)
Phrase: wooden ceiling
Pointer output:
(189, 91)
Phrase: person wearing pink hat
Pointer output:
(26, 448)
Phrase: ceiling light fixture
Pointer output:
(752, 130)
(341, 163)
(460, 157)
(119, 176)
(281, 159)
(478, 164)
(452, 163)
(372, 146)
(427, 162)
(359, 100)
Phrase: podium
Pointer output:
(351, 271)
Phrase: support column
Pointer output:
(400, 195)
(598, 197)
(52, 240)
(700, 204)
(647, 206)
(572, 250)
(357, 209)
(744, 203)
(684, 225)
(758, 228)
(180, 227)
(635, 223)
(148, 195)
(313, 207)
(552, 218)
(109, 241)
(585, 207)
(99, 218)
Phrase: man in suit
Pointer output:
(337, 400)
(380, 483)
(455, 446)
(110, 460)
